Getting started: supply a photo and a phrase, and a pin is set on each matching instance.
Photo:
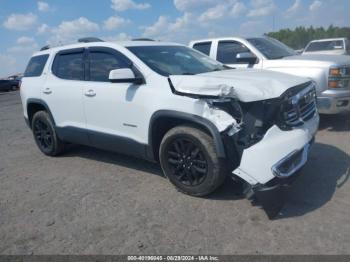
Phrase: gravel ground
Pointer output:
(93, 202)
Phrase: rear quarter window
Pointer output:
(203, 47)
(36, 66)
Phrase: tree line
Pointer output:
(301, 36)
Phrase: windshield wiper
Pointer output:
(187, 74)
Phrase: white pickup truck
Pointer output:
(331, 73)
(332, 46)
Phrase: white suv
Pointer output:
(169, 103)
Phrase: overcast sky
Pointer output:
(25, 26)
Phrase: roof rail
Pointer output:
(143, 39)
(89, 40)
(45, 48)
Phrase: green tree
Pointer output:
(301, 36)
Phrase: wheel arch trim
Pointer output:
(188, 118)
(42, 103)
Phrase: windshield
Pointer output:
(176, 60)
(271, 48)
(325, 46)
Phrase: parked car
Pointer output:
(168, 103)
(330, 73)
(10, 84)
(334, 46)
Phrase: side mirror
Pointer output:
(124, 75)
(246, 57)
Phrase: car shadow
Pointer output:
(228, 191)
(113, 158)
(335, 123)
(327, 170)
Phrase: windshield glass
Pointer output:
(176, 60)
(271, 48)
(325, 46)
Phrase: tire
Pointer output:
(14, 88)
(189, 160)
(45, 135)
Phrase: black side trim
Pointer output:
(117, 144)
(73, 135)
(103, 141)
(190, 118)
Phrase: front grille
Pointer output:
(300, 107)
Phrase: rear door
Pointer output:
(63, 92)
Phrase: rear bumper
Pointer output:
(334, 102)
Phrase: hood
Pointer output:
(319, 59)
(247, 85)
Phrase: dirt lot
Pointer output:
(94, 202)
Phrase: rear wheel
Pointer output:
(45, 135)
(188, 158)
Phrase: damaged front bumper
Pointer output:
(271, 196)
(273, 163)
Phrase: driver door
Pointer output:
(229, 51)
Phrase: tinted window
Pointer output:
(69, 66)
(102, 63)
(176, 60)
(36, 66)
(325, 46)
(271, 48)
(203, 47)
(228, 50)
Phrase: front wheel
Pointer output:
(189, 159)
(45, 135)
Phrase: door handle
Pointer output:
(47, 91)
(90, 93)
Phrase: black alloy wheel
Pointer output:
(43, 135)
(187, 162)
